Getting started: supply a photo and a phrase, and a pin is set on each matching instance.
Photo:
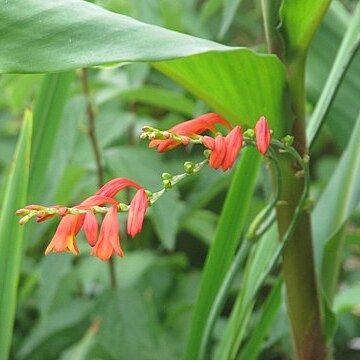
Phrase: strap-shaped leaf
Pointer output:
(11, 234)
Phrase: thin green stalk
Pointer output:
(97, 154)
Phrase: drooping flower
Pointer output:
(224, 150)
(190, 129)
(109, 239)
(70, 225)
(138, 207)
(233, 143)
(91, 227)
(64, 238)
(263, 136)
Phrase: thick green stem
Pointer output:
(304, 306)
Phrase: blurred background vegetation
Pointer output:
(67, 308)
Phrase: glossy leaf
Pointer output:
(11, 234)
(83, 34)
(238, 84)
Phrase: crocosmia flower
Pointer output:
(190, 129)
(70, 225)
(263, 136)
(137, 211)
(64, 238)
(112, 187)
(224, 150)
(109, 240)
(91, 227)
(233, 143)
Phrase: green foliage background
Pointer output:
(146, 75)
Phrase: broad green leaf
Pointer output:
(48, 114)
(223, 247)
(127, 328)
(162, 98)
(299, 21)
(83, 34)
(338, 201)
(11, 234)
(347, 51)
(239, 84)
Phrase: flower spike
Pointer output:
(263, 136)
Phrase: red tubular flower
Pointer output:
(233, 144)
(91, 227)
(70, 225)
(218, 153)
(109, 240)
(64, 238)
(190, 128)
(111, 188)
(263, 136)
(137, 212)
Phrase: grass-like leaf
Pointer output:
(11, 234)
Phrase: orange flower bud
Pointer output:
(263, 136)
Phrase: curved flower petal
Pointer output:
(109, 240)
(91, 227)
(233, 143)
(64, 238)
(111, 188)
(190, 128)
(137, 212)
